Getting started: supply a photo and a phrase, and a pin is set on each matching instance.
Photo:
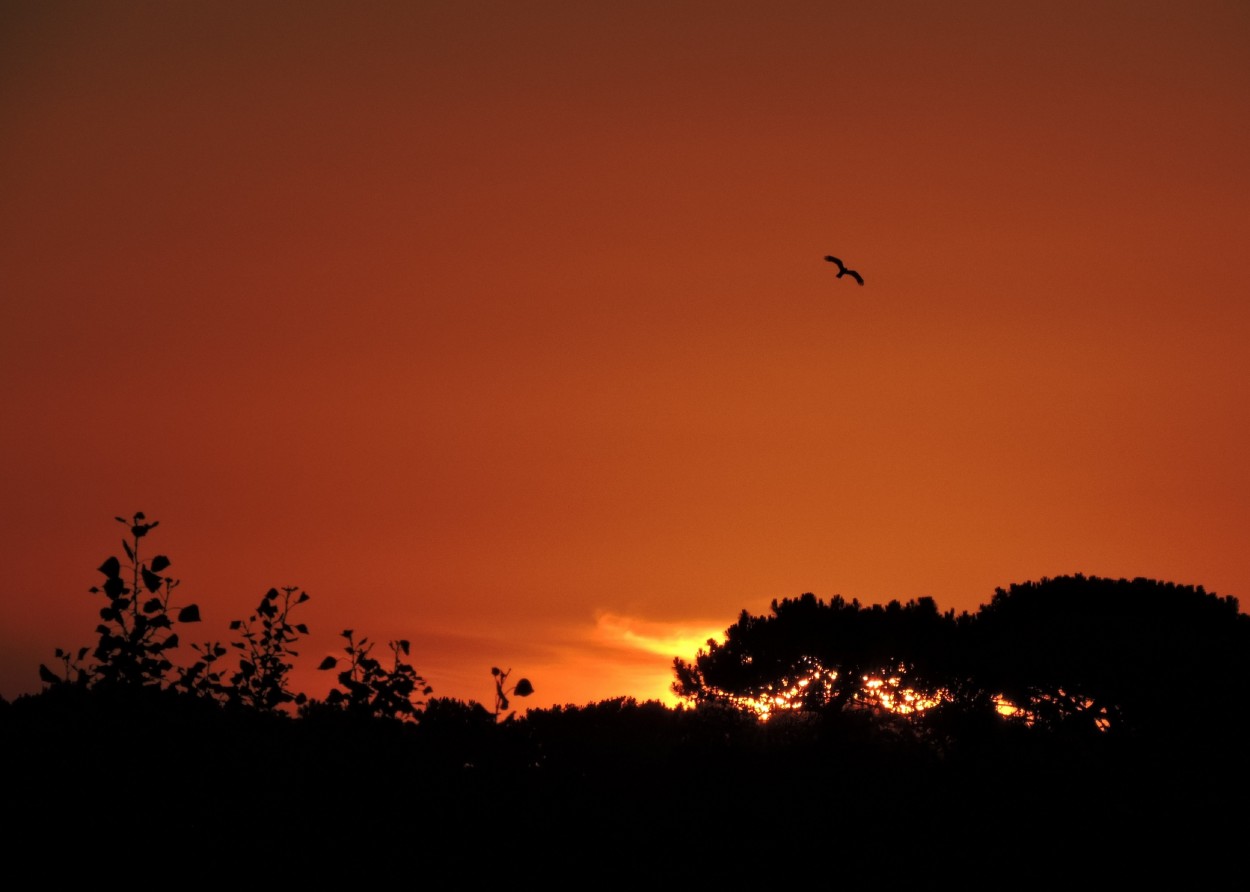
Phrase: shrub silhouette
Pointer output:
(368, 688)
(137, 628)
(261, 680)
(522, 688)
(137, 635)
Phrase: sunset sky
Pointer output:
(504, 326)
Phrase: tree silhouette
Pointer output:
(1112, 655)
(1074, 653)
(809, 654)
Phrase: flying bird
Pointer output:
(843, 271)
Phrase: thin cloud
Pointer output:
(671, 639)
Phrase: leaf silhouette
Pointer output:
(189, 614)
(151, 580)
(140, 530)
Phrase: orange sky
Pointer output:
(503, 327)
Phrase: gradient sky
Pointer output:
(503, 327)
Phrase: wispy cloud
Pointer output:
(669, 638)
(609, 654)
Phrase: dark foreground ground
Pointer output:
(611, 793)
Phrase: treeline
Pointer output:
(1075, 654)
(1062, 716)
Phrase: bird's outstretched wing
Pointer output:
(843, 271)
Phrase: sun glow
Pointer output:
(893, 697)
(887, 694)
(652, 642)
(882, 692)
(652, 636)
(1060, 703)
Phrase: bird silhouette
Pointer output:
(843, 271)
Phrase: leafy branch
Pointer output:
(136, 631)
(522, 688)
(261, 681)
(369, 688)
